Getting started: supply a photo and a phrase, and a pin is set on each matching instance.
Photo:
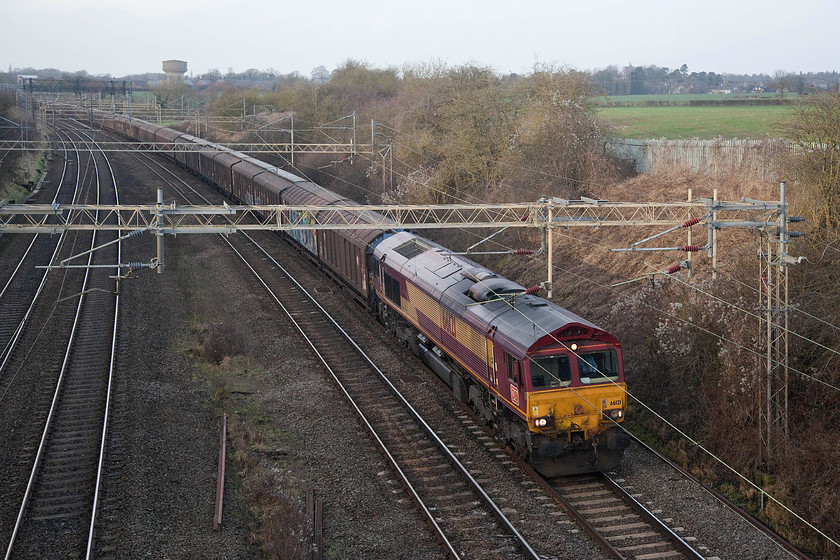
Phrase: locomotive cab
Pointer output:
(576, 401)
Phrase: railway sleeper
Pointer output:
(646, 547)
(639, 536)
(627, 527)
(457, 507)
(448, 487)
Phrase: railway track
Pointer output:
(23, 285)
(465, 518)
(58, 507)
(789, 550)
(621, 527)
(611, 515)
(455, 505)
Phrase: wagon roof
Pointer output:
(272, 182)
(168, 134)
(227, 158)
(247, 169)
(310, 194)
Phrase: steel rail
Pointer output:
(570, 510)
(442, 446)
(53, 406)
(59, 384)
(683, 547)
(404, 477)
(111, 366)
(7, 351)
(383, 447)
(19, 264)
(415, 496)
(660, 525)
(589, 528)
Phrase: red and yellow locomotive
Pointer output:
(550, 382)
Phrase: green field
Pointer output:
(675, 122)
(682, 98)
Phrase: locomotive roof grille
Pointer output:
(412, 248)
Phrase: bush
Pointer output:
(221, 341)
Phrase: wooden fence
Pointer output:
(750, 159)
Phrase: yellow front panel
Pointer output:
(561, 403)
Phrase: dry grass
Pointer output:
(283, 529)
(223, 340)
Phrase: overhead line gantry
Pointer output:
(554, 212)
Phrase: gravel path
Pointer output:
(697, 516)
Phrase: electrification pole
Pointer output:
(775, 327)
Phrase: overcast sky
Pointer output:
(125, 37)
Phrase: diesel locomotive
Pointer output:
(549, 382)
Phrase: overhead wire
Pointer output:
(683, 434)
(745, 311)
(678, 430)
(694, 325)
(631, 395)
(690, 323)
(560, 177)
(701, 328)
(669, 423)
(794, 309)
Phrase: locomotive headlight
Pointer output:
(616, 414)
(544, 421)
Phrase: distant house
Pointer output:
(22, 78)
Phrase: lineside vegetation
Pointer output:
(693, 345)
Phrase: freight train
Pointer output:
(549, 382)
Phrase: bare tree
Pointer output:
(815, 128)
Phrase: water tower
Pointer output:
(175, 70)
